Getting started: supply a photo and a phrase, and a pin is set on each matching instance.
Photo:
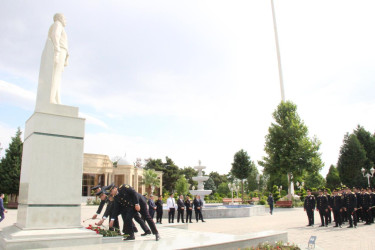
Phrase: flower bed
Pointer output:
(277, 246)
(105, 232)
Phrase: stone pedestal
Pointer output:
(49, 211)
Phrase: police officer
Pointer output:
(372, 204)
(329, 198)
(133, 202)
(350, 207)
(108, 211)
(343, 211)
(358, 194)
(309, 206)
(97, 190)
(365, 206)
(336, 208)
(322, 207)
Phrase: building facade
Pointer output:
(100, 170)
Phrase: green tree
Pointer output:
(223, 190)
(182, 185)
(352, 159)
(10, 167)
(253, 180)
(150, 179)
(218, 178)
(210, 185)
(171, 172)
(275, 193)
(333, 178)
(189, 173)
(314, 180)
(242, 167)
(290, 152)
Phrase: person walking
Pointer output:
(2, 209)
(171, 204)
(270, 202)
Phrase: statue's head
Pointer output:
(59, 17)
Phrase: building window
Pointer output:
(119, 180)
(89, 181)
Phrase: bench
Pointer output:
(229, 200)
(284, 204)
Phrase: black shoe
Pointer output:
(203, 221)
(129, 238)
(308, 225)
(157, 237)
(349, 227)
(336, 226)
(326, 225)
(321, 226)
(160, 223)
(190, 222)
(135, 230)
(340, 226)
(146, 233)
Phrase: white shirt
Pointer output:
(171, 203)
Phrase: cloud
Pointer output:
(13, 94)
(94, 121)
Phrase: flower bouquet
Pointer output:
(105, 232)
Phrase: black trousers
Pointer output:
(141, 222)
(323, 216)
(310, 216)
(159, 215)
(337, 217)
(271, 208)
(146, 215)
(367, 214)
(198, 215)
(329, 216)
(171, 215)
(152, 212)
(189, 213)
(180, 213)
(352, 217)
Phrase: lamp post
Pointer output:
(368, 175)
(231, 187)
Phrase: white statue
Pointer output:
(54, 59)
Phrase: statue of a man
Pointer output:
(54, 59)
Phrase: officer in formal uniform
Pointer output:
(180, 209)
(322, 207)
(103, 195)
(309, 206)
(329, 198)
(133, 202)
(350, 207)
(189, 209)
(365, 206)
(358, 194)
(372, 204)
(97, 189)
(336, 208)
(344, 217)
(159, 210)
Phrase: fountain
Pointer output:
(200, 179)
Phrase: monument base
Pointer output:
(15, 238)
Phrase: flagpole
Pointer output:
(278, 52)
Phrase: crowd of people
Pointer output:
(346, 205)
(128, 203)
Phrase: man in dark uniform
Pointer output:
(189, 209)
(350, 207)
(322, 207)
(371, 194)
(180, 209)
(159, 210)
(365, 206)
(329, 198)
(108, 211)
(198, 204)
(309, 206)
(126, 197)
(270, 202)
(344, 217)
(358, 194)
(97, 189)
(151, 206)
(336, 207)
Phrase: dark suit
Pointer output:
(180, 210)
(322, 206)
(270, 203)
(189, 210)
(351, 204)
(336, 207)
(108, 212)
(198, 209)
(2, 209)
(151, 208)
(309, 206)
(159, 210)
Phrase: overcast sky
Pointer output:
(194, 80)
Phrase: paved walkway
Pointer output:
(291, 220)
